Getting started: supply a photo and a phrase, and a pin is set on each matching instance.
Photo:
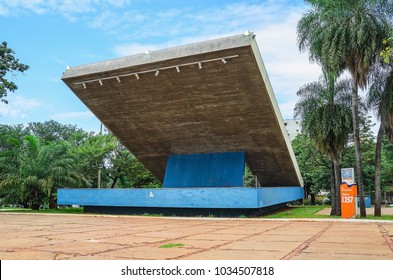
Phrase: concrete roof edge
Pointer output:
(224, 43)
(276, 109)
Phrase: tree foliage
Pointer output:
(37, 159)
(52, 130)
(8, 64)
(380, 99)
(325, 114)
(324, 108)
(347, 35)
(387, 52)
(313, 164)
(36, 170)
(387, 165)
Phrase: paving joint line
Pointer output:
(153, 244)
(307, 243)
(185, 236)
(123, 246)
(226, 243)
(386, 236)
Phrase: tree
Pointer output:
(368, 152)
(314, 166)
(125, 171)
(53, 130)
(141, 177)
(118, 163)
(326, 119)
(8, 64)
(93, 153)
(380, 98)
(343, 34)
(10, 131)
(37, 170)
(119, 167)
(36, 160)
(387, 165)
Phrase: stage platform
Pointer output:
(221, 201)
(194, 116)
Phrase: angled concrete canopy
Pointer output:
(208, 97)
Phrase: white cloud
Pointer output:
(119, 3)
(19, 107)
(16, 6)
(58, 60)
(135, 48)
(138, 28)
(138, 23)
(67, 8)
(171, 13)
(3, 11)
(73, 115)
(288, 69)
(286, 109)
(104, 20)
(273, 22)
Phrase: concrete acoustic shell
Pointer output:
(207, 97)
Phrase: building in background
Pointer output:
(293, 128)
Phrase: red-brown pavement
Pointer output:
(100, 237)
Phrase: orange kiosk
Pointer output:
(348, 193)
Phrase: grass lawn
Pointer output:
(172, 245)
(309, 212)
(48, 211)
(298, 212)
(295, 212)
(383, 217)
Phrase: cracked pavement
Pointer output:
(104, 237)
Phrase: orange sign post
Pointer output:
(348, 194)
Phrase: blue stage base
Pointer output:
(184, 212)
(205, 170)
(213, 198)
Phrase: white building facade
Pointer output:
(293, 128)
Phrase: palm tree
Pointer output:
(380, 98)
(38, 170)
(347, 34)
(326, 118)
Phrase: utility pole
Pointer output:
(99, 165)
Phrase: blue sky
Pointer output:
(50, 35)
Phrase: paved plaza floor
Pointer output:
(46, 236)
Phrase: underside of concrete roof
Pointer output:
(208, 97)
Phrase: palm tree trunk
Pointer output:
(333, 191)
(337, 183)
(52, 199)
(114, 181)
(312, 195)
(378, 150)
(356, 138)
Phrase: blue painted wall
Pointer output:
(205, 170)
(276, 195)
(250, 198)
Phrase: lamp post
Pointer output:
(99, 176)
(99, 165)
